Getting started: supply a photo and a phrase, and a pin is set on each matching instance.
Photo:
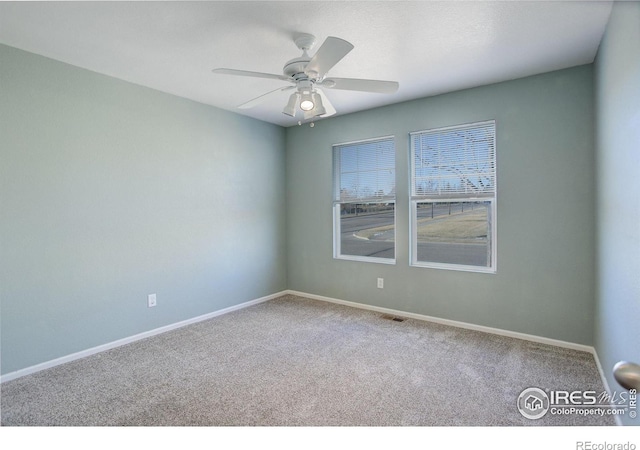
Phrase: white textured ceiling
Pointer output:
(428, 47)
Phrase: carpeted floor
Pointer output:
(294, 361)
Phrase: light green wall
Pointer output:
(546, 229)
(111, 191)
(618, 202)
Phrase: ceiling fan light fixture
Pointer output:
(319, 108)
(290, 109)
(306, 105)
(305, 89)
(306, 101)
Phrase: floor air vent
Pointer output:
(394, 318)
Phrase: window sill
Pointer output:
(366, 259)
(456, 267)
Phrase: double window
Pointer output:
(364, 200)
(452, 199)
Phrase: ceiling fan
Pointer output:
(308, 74)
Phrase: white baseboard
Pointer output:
(453, 323)
(101, 348)
(470, 326)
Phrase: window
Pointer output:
(453, 197)
(364, 200)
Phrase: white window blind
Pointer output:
(364, 178)
(454, 162)
(365, 171)
(453, 197)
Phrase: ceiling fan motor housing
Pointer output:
(295, 67)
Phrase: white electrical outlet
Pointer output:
(151, 300)
(380, 283)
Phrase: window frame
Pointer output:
(415, 199)
(337, 204)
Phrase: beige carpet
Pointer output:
(294, 361)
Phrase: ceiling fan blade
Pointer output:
(330, 110)
(246, 73)
(331, 51)
(263, 97)
(356, 84)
